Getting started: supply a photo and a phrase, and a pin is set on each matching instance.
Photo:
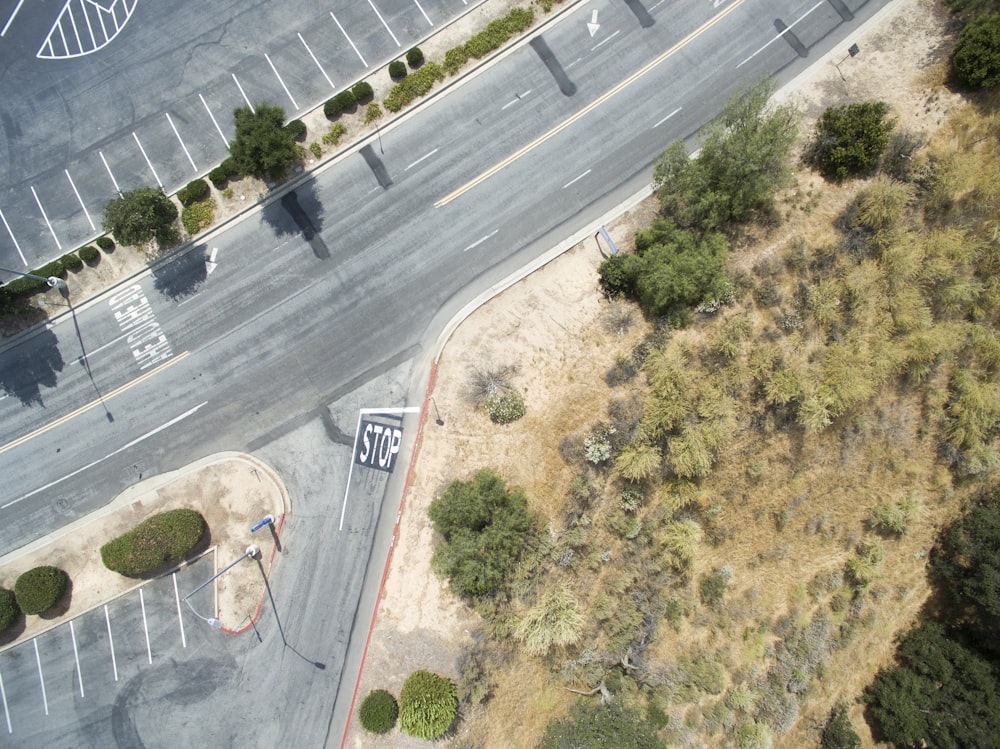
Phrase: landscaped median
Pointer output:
(207, 507)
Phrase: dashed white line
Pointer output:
(480, 241)
(186, 152)
(425, 156)
(278, 76)
(605, 40)
(785, 31)
(77, 193)
(90, 354)
(515, 100)
(384, 23)
(316, 61)
(113, 180)
(47, 222)
(4, 31)
(76, 657)
(417, 2)
(148, 162)
(212, 116)
(577, 178)
(111, 642)
(348, 39)
(237, 81)
(6, 712)
(667, 117)
(180, 618)
(13, 238)
(41, 677)
(145, 627)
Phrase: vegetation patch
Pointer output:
(428, 704)
(9, 610)
(198, 216)
(39, 589)
(161, 540)
(378, 712)
(417, 84)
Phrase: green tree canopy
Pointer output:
(599, 726)
(850, 139)
(485, 526)
(263, 147)
(968, 558)
(976, 59)
(137, 217)
(838, 733)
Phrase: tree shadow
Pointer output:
(14, 631)
(299, 211)
(182, 277)
(30, 365)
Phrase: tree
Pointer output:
(976, 59)
(838, 733)
(262, 147)
(850, 139)
(597, 726)
(137, 217)
(968, 558)
(741, 166)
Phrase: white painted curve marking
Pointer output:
(84, 27)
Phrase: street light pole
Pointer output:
(52, 281)
(251, 552)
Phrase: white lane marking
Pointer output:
(785, 31)
(348, 39)
(6, 712)
(573, 63)
(424, 14)
(111, 642)
(186, 152)
(90, 354)
(516, 99)
(76, 657)
(371, 3)
(316, 61)
(47, 222)
(148, 162)
(254, 111)
(11, 19)
(113, 180)
(41, 676)
(604, 41)
(654, 7)
(145, 627)
(577, 178)
(13, 239)
(121, 449)
(425, 156)
(219, 129)
(77, 193)
(278, 76)
(667, 117)
(480, 241)
(180, 618)
(210, 264)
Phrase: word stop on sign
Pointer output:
(378, 446)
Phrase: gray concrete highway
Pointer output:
(271, 336)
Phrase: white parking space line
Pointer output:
(348, 39)
(480, 241)
(576, 179)
(41, 677)
(316, 61)
(384, 23)
(237, 80)
(278, 76)
(145, 628)
(6, 712)
(148, 162)
(667, 117)
(113, 180)
(605, 40)
(111, 642)
(76, 657)
(77, 193)
(47, 222)
(186, 152)
(425, 156)
(13, 239)
(10, 21)
(212, 116)
(180, 617)
(417, 2)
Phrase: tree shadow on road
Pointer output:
(30, 365)
(299, 211)
(182, 277)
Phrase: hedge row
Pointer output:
(415, 85)
(499, 32)
(224, 172)
(360, 92)
(163, 539)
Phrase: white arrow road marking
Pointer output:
(592, 24)
(210, 264)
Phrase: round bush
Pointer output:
(397, 70)
(415, 57)
(428, 704)
(8, 609)
(89, 254)
(163, 539)
(106, 243)
(38, 589)
(297, 128)
(231, 168)
(72, 261)
(339, 103)
(505, 407)
(976, 59)
(378, 712)
(362, 91)
(193, 191)
(218, 176)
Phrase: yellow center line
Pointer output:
(87, 407)
(590, 107)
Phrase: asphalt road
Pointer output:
(271, 336)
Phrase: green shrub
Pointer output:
(413, 86)
(850, 139)
(71, 261)
(89, 254)
(415, 57)
(712, 588)
(218, 177)
(894, 518)
(106, 243)
(362, 91)
(333, 137)
(9, 610)
(231, 168)
(198, 216)
(455, 59)
(316, 149)
(163, 539)
(397, 70)
(976, 59)
(193, 191)
(838, 733)
(340, 103)
(616, 276)
(591, 725)
(55, 268)
(499, 31)
(428, 704)
(863, 569)
(38, 589)
(378, 712)
(297, 129)
(505, 407)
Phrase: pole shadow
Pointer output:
(547, 56)
(84, 361)
(281, 630)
